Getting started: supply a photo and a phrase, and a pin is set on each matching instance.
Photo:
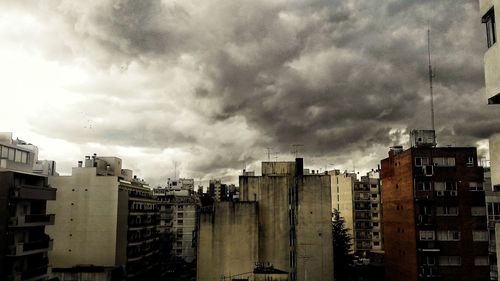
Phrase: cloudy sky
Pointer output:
(211, 84)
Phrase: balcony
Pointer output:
(29, 248)
(428, 246)
(32, 220)
(34, 192)
(492, 248)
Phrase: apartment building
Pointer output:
(107, 224)
(359, 203)
(434, 212)
(24, 244)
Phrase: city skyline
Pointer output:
(211, 86)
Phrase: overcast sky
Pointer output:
(211, 84)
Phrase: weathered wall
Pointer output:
(86, 225)
(314, 234)
(495, 158)
(342, 199)
(228, 240)
(399, 219)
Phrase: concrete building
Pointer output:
(488, 10)
(24, 245)
(107, 224)
(283, 219)
(434, 214)
(359, 203)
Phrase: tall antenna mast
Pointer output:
(431, 74)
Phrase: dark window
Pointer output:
(489, 21)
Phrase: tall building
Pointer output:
(492, 88)
(24, 245)
(434, 213)
(107, 224)
(178, 216)
(359, 203)
(283, 219)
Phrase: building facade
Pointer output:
(24, 244)
(179, 218)
(283, 218)
(107, 222)
(359, 203)
(434, 214)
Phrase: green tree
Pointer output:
(341, 246)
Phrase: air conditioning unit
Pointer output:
(453, 193)
(440, 193)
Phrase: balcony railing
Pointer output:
(32, 220)
(34, 192)
(28, 248)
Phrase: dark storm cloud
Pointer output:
(336, 76)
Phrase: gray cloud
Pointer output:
(340, 77)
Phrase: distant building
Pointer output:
(359, 203)
(107, 224)
(178, 216)
(434, 214)
(283, 218)
(222, 192)
(24, 245)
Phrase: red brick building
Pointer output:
(434, 214)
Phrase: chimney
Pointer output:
(80, 164)
(299, 166)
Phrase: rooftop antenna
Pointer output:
(268, 153)
(431, 74)
(296, 149)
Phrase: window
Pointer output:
(481, 261)
(448, 235)
(480, 235)
(24, 157)
(470, 161)
(428, 170)
(478, 211)
(423, 186)
(493, 211)
(5, 152)
(421, 161)
(443, 161)
(450, 260)
(179, 222)
(446, 211)
(427, 235)
(17, 157)
(12, 152)
(489, 21)
(429, 260)
(476, 186)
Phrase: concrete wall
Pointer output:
(342, 198)
(314, 246)
(492, 55)
(228, 240)
(495, 159)
(86, 226)
(278, 168)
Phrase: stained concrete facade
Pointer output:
(228, 240)
(294, 226)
